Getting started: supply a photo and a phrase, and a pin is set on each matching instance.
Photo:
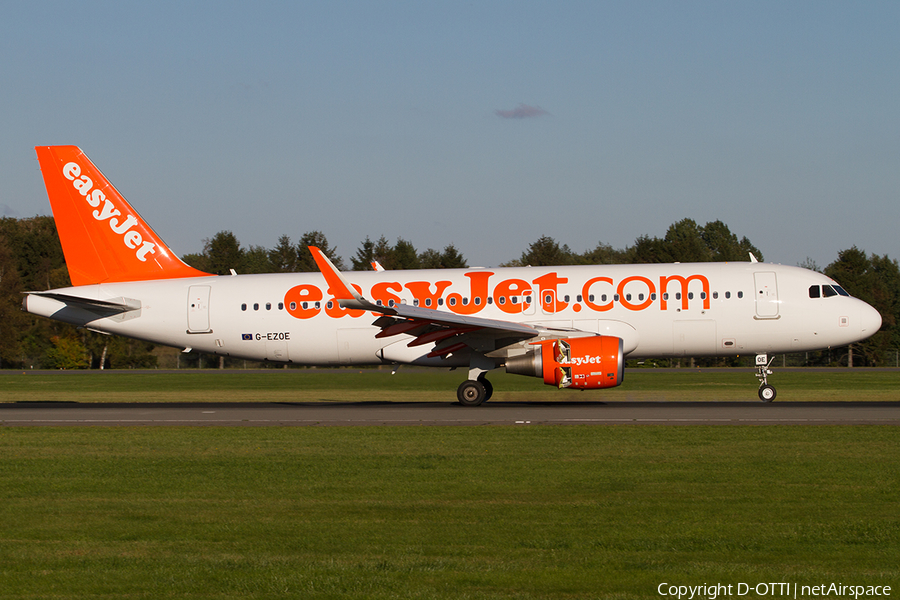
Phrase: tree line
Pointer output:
(31, 258)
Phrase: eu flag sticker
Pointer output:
(246, 336)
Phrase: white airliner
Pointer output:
(571, 326)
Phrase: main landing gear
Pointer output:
(474, 392)
(766, 391)
(476, 389)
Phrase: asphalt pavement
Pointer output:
(432, 413)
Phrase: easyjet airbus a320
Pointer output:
(571, 326)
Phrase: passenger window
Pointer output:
(268, 306)
(690, 295)
(740, 294)
(715, 295)
(428, 302)
(281, 306)
(477, 300)
(501, 300)
(243, 307)
(256, 307)
(815, 291)
(452, 301)
(294, 306)
(727, 295)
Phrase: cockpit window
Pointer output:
(827, 291)
(841, 290)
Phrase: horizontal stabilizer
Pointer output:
(78, 310)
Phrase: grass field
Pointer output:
(436, 512)
(441, 512)
(414, 385)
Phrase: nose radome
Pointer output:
(869, 320)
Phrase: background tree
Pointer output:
(283, 257)
(684, 243)
(224, 253)
(383, 252)
(604, 254)
(365, 254)
(450, 258)
(405, 255)
(875, 280)
(649, 250)
(545, 252)
(723, 245)
(256, 260)
(12, 319)
(305, 261)
(67, 352)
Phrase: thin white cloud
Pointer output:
(522, 111)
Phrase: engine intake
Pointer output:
(592, 362)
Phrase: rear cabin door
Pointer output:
(198, 309)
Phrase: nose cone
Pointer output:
(869, 321)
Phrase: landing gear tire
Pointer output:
(766, 393)
(488, 388)
(471, 393)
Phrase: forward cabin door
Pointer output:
(766, 295)
(198, 309)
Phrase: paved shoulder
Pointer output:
(410, 413)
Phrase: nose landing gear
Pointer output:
(766, 392)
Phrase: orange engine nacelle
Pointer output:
(586, 362)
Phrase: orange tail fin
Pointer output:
(103, 238)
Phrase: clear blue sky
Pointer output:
(484, 125)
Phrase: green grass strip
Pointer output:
(415, 385)
(442, 512)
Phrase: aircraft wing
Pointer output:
(449, 331)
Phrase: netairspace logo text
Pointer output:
(777, 590)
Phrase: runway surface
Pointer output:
(428, 413)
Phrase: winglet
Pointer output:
(103, 238)
(339, 287)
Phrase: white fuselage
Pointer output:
(659, 310)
